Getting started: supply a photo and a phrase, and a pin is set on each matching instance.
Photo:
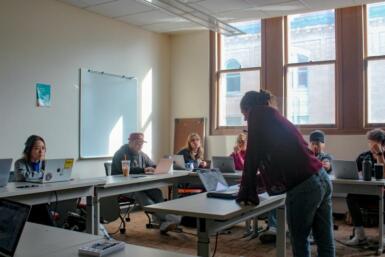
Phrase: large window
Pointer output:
(375, 63)
(310, 66)
(238, 71)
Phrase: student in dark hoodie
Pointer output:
(278, 151)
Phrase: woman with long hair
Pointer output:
(278, 151)
(193, 152)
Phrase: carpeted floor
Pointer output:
(229, 245)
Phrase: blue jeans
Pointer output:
(309, 207)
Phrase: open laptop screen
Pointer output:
(212, 180)
(12, 220)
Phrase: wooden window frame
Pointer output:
(215, 74)
(307, 128)
(367, 59)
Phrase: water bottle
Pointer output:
(367, 169)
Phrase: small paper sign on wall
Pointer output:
(43, 95)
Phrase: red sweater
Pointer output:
(239, 159)
(277, 149)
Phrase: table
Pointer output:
(52, 192)
(56, 242)
(374, 187)
(119, 184)
(215, 214)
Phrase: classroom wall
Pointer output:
(45, 41)
(190, 96)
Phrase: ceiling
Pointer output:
(138, 13)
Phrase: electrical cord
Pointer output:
(216, 244)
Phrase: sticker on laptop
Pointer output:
(68, 164)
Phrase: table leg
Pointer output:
(203, 238)
(96, 214)
(281, 231)
(380, 220)
(90, 215)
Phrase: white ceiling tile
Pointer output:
(327, 4)
(239, 15)
(265, 2)
(172, 27)
(120, 8)
(283, 9)
(150, 18)
(216, 6)
(77, 3)
(94, 2)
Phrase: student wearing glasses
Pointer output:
(194, 152)
(278, 151)
(31, 166)
(140, 163)
(32, 163)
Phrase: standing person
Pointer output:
(32, 166)
(239, 152)
(376, 143)
(141, 163)
(194, 152)
(317, 146)
(278, 151)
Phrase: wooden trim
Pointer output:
(301, 64)
(239, 70)
(213, 83)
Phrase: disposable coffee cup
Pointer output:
(126, 167)
(379, 171)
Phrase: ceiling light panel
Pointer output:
(151, 17)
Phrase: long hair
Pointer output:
(200, 151)
(241, 139)
(29, 145)
(254, 98)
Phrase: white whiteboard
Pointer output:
(108, 112)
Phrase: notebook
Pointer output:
(56, 170)
(224, 163)
(12, 220)
(5, 169)
(345, 169)
(216, 185)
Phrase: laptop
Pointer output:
(216, 185)
(12, 220)
(5, 170)
(345, 169)
(179, 163)
(56, 170)
(164, 166)
(224, 163)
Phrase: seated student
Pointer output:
(194, 152)
(141, 163)
(376, 142)
(239, 152)
(317, 146)
(32, 165)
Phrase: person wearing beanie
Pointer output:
(317, 146)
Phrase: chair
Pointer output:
(123, 201)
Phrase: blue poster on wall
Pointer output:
(43, 95)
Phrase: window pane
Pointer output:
(311, 94)
(376, 29)
(311, 37)
(232, 86)
(244, 49)
(376, 91)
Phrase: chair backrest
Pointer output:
(107, 168)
